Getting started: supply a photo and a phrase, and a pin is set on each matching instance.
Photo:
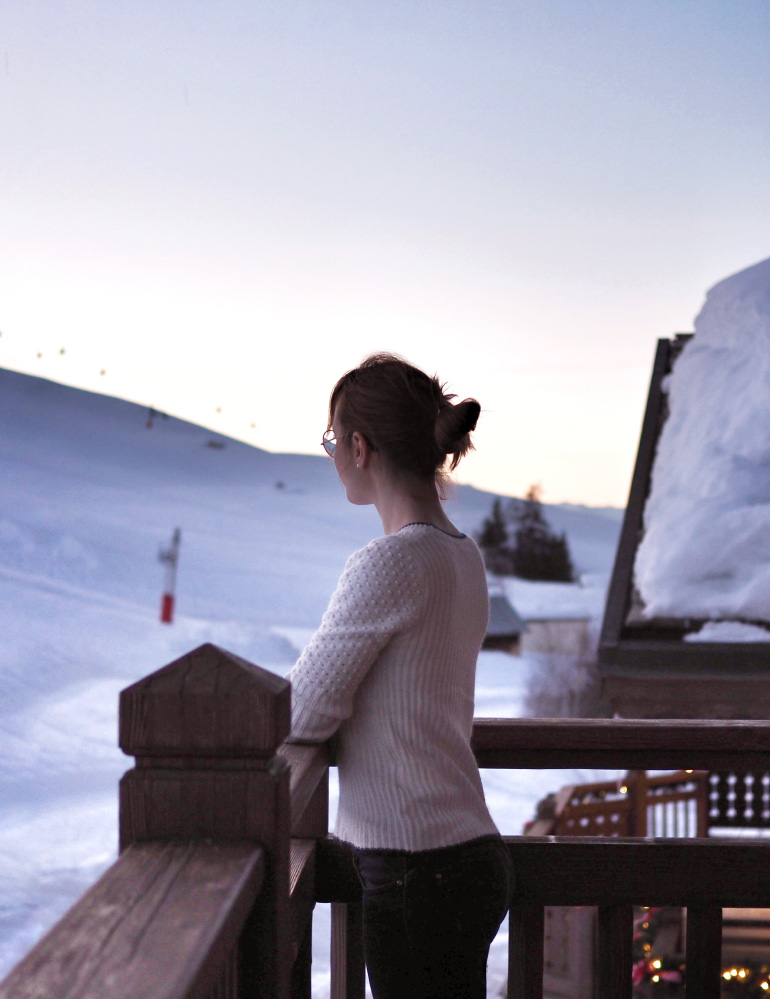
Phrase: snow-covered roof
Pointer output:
(503, 619)
(705, 553)
(541, 601)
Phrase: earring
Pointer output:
(358, 464)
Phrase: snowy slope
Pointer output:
(87, 496)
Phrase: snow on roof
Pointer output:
(503, 619)
(706, 546)
(539, 601)
(728, 631)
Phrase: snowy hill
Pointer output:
(87, 495)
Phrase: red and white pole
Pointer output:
(170, 557)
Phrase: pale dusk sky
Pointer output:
(224, 206)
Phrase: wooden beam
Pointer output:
(525, 952)
(635, 744)
(620, 583)
(600, 870)
(308, 788)
(348, 974)
(301, 890)
(617, 871)
(159, 924)
(614, 957)
(704, 951)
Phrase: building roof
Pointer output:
(503, 619)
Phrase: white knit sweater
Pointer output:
(392, 666)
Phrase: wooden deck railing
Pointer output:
(224, 851)
(670, 805)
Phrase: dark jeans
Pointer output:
(430, 917)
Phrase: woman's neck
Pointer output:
(403, 502)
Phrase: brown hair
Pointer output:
(405, 414)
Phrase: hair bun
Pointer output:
(454, 424)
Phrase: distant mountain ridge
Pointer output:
(49, 429)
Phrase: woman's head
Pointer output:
(404, 414)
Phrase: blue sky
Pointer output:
(224, 206)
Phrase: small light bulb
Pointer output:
(657, 964)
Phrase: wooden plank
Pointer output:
(600, 870)
(301, 969)
(308, 788)
(301, 891)
(525, 951)
(161, 923)
(637, 744)
(637, 795)
(656, 657)
(677, 694)
(618, 871)
(704, 951)
(614, 958)
(348, 972)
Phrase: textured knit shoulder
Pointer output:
(378, 596)
(384, 578)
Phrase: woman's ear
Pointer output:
(360, 449)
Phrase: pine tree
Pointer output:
(538, 553)
(494, 542)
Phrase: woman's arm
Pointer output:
(378, 595)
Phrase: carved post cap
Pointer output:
(208, 703)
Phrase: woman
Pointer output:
(392, 670)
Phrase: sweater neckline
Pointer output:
(425, 523)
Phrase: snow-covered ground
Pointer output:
(706, 547)
(87, 496)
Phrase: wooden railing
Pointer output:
(670, 805)
(224, 851)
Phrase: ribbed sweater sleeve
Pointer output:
(378, 596)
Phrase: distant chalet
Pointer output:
(505, 626)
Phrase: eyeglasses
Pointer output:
(329, 442)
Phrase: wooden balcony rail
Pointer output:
(622, 744)
(224, 851)
(637, 804)
(162, 922)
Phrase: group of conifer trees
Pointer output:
(517, 540)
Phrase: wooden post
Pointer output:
(614, 945)
(704, 804)
(204, 731)
(526, 938)
(636, 781)
(348, 971)
(704, 951)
